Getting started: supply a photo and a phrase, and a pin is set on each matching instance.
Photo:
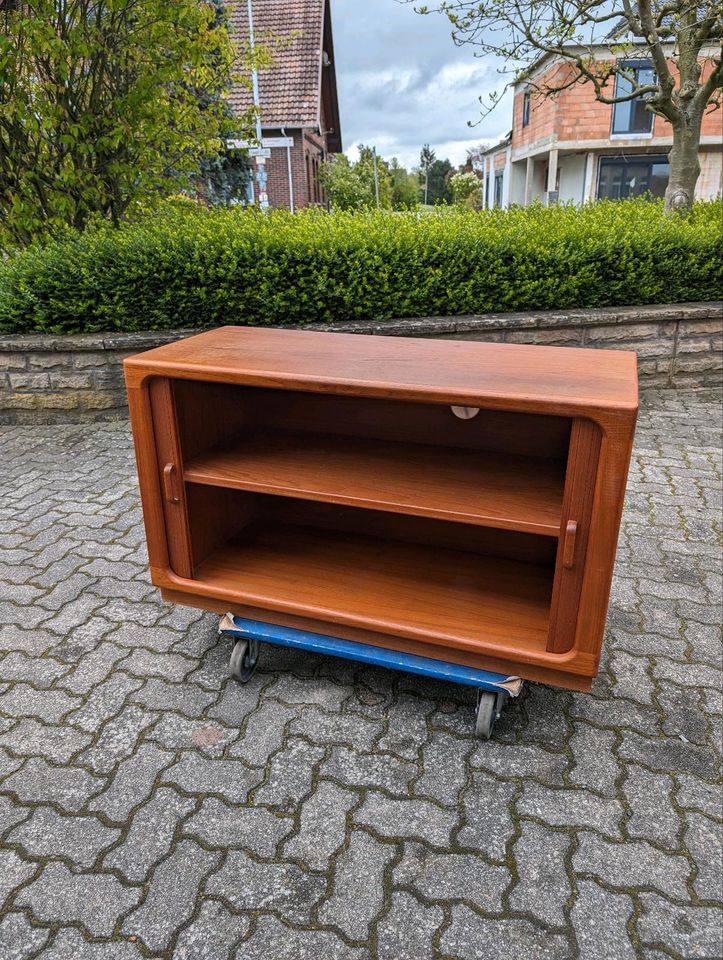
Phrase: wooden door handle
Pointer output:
(169, 483)
(568, 548)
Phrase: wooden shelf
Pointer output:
(441, 596)
(469, 486)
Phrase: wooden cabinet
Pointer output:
(456, 499)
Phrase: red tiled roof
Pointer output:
(290, 89)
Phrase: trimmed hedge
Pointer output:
(197, 268)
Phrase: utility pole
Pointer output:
(376, 175)
(261, 177)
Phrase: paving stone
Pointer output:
(346, 728)
(632, 680)
(181, 733)
(70, 945)
(150, 836)
(444, 763)
(570, 808)
(542, 888)
(252, 828)
(92, 669)
(595, 765)
(229, 778)
(171, 895)
(381, 770)
(698, 795)
(546, 709)
(67, 787)
(666, 754)
(520, 760)
(407, 729)
(358, 894)
(271, 938)
(691, 932)
(407, 931)
(39, 671)
(168, 666)
(11, 813)
(237, 701)
(280, 887)
(487, 823)
(322, 828)
(18, 939)
(290, 774)
(51, 706)
(8, 764)
(634, 864)
(13, 872)
(451, 876)
(471, 937)
(78, 839)
(212, 934)
(263, 735)
(184, 698)
(600, 917)
(104, 702)
(33, 739)
(97, 901)
(318, 690)
(703, 840)
(650, 799)
(132, 783)
(33, 643)
(117, 740)
(412, 819)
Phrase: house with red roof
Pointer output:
(298, 100)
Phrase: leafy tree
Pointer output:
(345, 185)
(466, 189)
(676, 35)
(365, 165)
(427, 157)
(405, 186)
(106, 106)
(438, 182)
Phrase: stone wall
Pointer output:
(68, 378)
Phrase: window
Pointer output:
(621, 177)
(630, 116)
(498, 189)
(526, 108)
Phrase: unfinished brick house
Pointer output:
(297, 94)
(573, 148)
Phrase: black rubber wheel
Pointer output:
(488, 709)
(243, 660)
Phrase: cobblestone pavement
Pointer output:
(150, 807)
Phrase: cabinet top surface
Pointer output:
(518, 376)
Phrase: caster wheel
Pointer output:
(244, 657)
(488, 709)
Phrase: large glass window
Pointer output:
(630, 116)
(621, 177)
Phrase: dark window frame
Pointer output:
(498, 188)
(526, 107)
(628, 161)
(631, 106)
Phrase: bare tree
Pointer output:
(681, 38)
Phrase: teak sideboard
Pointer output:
(455, 499)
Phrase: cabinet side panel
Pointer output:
(170, 476)
(577, 507)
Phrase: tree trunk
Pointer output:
(684, 166)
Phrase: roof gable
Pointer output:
(289, 90)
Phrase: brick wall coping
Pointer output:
(409, 326)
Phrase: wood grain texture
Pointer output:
(414, 591)
(496, 490)
(508, 376)
(399, 571)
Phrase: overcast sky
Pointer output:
(402, 82)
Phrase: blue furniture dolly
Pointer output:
(492, 688)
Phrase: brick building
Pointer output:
(297, 94)
(571, 147)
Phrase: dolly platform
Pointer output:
(493, 689)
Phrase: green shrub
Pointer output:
(200, 268)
